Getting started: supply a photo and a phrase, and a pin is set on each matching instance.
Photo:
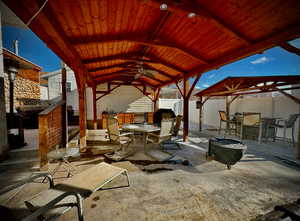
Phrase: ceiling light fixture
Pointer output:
(163, 7)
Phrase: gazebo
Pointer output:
(152, 44)
(235, 87)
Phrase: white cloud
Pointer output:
(205, 85)
(261, 60)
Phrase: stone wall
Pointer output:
(23, 89)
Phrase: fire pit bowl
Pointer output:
(226, 151)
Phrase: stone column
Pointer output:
(3, 129)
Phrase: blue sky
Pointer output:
(275, 61)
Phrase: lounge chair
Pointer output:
(59, 198)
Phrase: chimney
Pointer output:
(16, 47)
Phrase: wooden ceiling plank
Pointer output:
(52, 19)
(157, 43)
(272, 41)
(187, 7)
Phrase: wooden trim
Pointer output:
(64, 107)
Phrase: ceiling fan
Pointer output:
(141, 71)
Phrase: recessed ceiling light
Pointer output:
(191, 15)
(163, 6)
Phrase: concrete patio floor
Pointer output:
(204, 191)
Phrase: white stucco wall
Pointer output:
(279, 106)
(44, 93)
(122, 99)
(54, 83)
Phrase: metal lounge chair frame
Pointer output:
(79, 196)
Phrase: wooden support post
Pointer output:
(64, 106)
(185, 109)
(155, 98)
(43, 142)
(227, 112)
(82, 118)
(95, 107)
(200, 113)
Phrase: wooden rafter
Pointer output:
(140, 41)
(290, 48)
(179, 89)
(143, 92)
(109, 91)
(193, 86)
(134, 58)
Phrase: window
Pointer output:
(68, 85)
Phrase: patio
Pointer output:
(167, 191)
(147, 45)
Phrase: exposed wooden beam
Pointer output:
(179, 89)
(98, 98)
(193, 85)
(143, 92)
(140, 41)
(290, 48)
(295, 99)
(50, 15)
(185, 7)
(267, 43)
(134, 58)
(110, 66)
(226, 93)
(58, 43)
(121, 56)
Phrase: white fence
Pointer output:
(279, 106)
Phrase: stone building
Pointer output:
(26, 84)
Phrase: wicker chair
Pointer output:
(115, 135)
(251, 126)
(289, 123)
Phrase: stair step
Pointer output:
(24, 153)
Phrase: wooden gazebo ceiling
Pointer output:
(109, 40)
(232, 86)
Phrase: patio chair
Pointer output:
(251, 126)
(115, 135)
(289, 123)
(169, 144)
(60, 198)
(231, 123)
(165, 133)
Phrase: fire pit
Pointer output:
(226, 151)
